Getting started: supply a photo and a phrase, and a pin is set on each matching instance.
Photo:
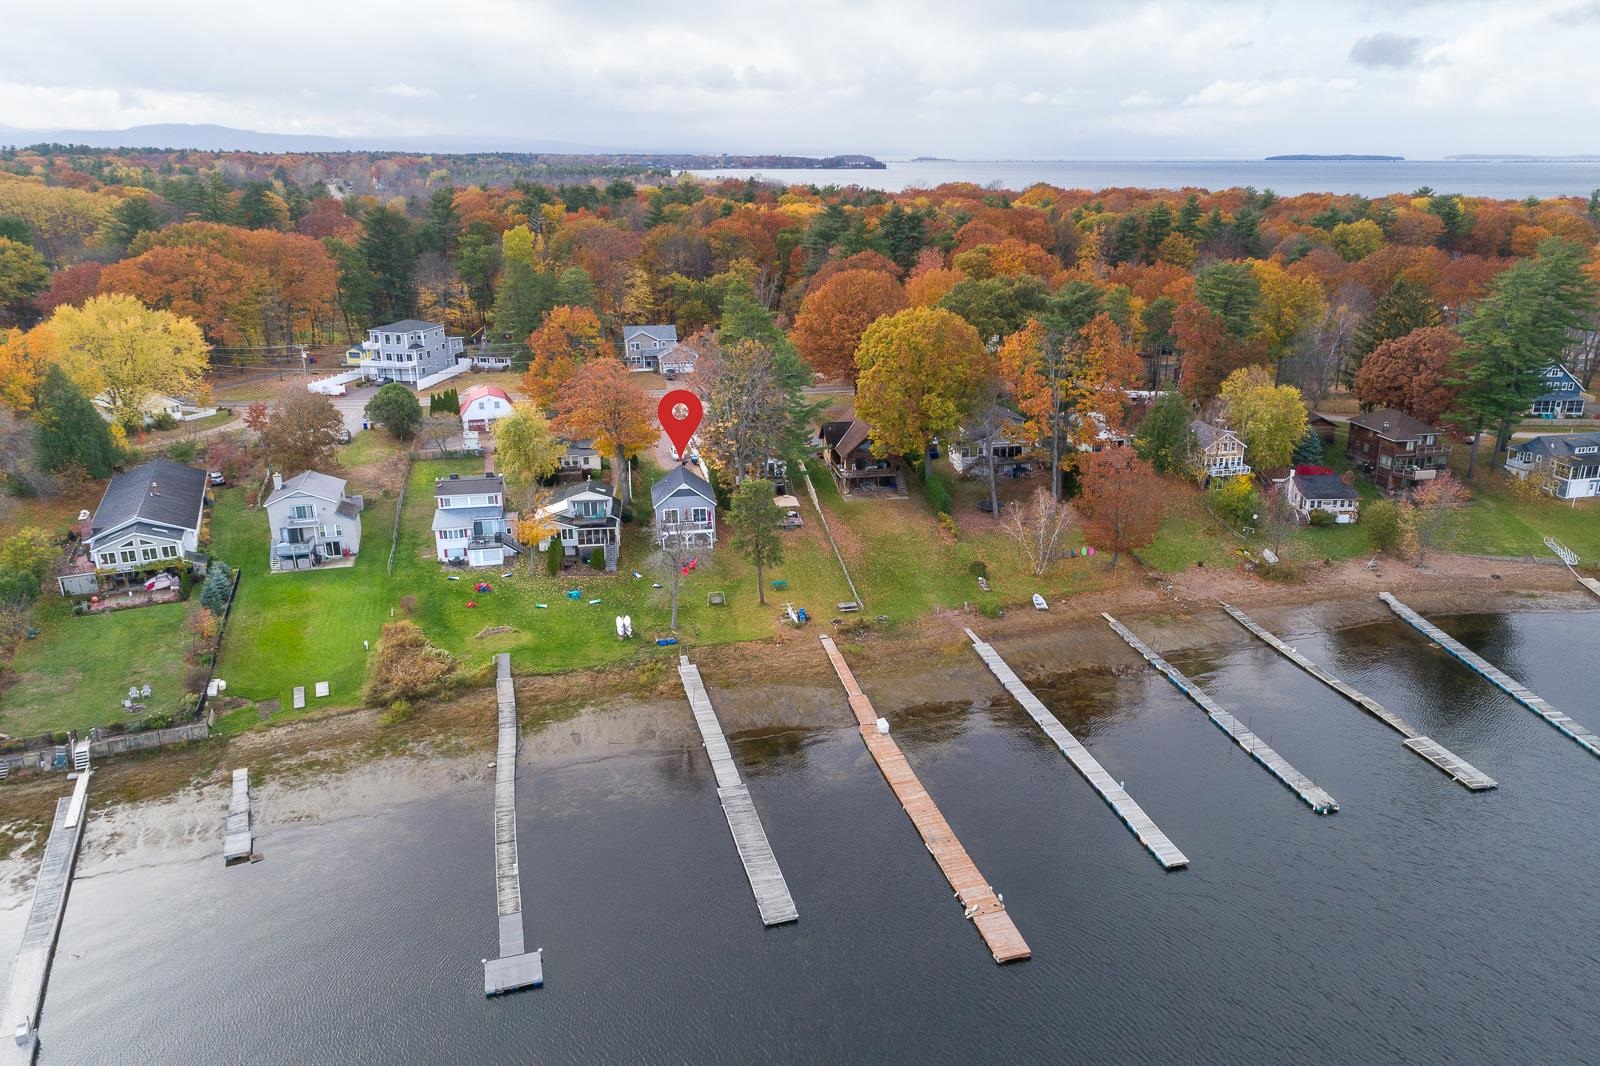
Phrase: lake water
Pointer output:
(1503, 179)
(1421, 923)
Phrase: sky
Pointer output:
(1014, 79)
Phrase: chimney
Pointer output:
(1386, 425)
(277, 481)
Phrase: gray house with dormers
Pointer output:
(313, 521)
(686, 508)
(149, 519)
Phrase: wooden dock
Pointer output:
(1132, 815)
(749, 837)
(977, 897)
(1431, 750)
(1276, 764)
(1591, 584)
(31, 970)
(516, 968)
(237, 841)
(1510, 685)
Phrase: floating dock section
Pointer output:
(32, 966)
(1436, 753)
(1276, 764)
(760, 865)
(516, 968)
(1591, 584)
(1512, 687)
(1132, 815)
(237, 842)
(977, 897)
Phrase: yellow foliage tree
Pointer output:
(116, 347)
(1270, 418)
(24, 357)
(1288, 303)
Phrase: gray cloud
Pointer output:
(1582, 15)
(1386, 50)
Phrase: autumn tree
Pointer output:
(1038, 527)
(835, 315)
(569, 337)
(1210, 351)
(1269, 418)
(920, 373)
(525, 449)
(1288, 303)
(754, 520)
(1119, 503)
(1357, 240)
(301, 433)
(117, 348)
(1411, 373)
(1165, 438)
(601, 404)
(1406, 305)
(1428, 515)
(22, 275)
(24, 358)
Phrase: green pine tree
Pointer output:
(1164, 439)
(214, 593)
(72, 435)
(1309, 451)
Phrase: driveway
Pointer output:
(350, 405)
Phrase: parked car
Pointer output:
(216, 478)
(344, 436)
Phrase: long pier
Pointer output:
(1591, 584)
(237, 842)
(1276, 764)
(1132, 815)
(1581, 735)
(1458, 768)
(516, 968)
(978, 898)
(749, 837)
(31, 969)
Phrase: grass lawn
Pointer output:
(1500, 521)
(76, 673)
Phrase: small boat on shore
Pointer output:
(1039, 604)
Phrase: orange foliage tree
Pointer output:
(1119, 506)
(1411, 373)
(569, 337)
(835, 314)
(601, 404)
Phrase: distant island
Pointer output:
(1491, 158)
(931, 159)
(1337, 158)
(758, 162)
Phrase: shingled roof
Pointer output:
(160, 492)
(1393, 425)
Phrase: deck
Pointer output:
(978, 899)
(749, 836)
(516, 968)
(1254, 746)
(1132, 815)
(237, 841)
(1458, 768)
(1510, 685)
(31, 970)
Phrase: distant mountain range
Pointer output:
(209, 138)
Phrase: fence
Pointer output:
(399, 505)
(222, 630)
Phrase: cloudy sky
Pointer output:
(981, 78)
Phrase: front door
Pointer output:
(332, 549)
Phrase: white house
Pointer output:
(410, 351)
(1566, 465)
(586, 517)
(581, 457)
(1323, 492)
(685, 509)
(312, 520)
(1221, 450)
(158, 405)
(470, 522)
(1563, 395)
(481, 406)
(642, 346)
(997, 437)
(148, 519)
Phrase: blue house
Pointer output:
(1563, 397)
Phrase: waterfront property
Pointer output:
(516, 967)
(996, 438)
(1323, 492)
(148, 520)
(847, 450)
(1562, 398)
(1567, 466)
(685, 509)
(1221, 451)
(410, 351)
(643, 346)
(1394, 450)
(482, 406)
(586, 517)
(581, 458)
(470, 524)
(312, 520)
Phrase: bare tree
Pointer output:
(984, 430)
(1431, 512)
(438, 429)
(1317, 358)
(1038, 526)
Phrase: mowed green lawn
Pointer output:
(76, 673)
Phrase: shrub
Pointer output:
(552, 557)
(1319, 517)
(597, 559)
(1382, 519)
(978, 568)
(399, 711)
(938, 495)
(214, 593)
(989, 610)
(182, 452)
(406, 665)
(627, 514)
(948, 525)
(164, 421)
(408, 603)
(158, 720)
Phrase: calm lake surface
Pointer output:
(1504, 179)
(1421, 923)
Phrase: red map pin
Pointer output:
(680, 413)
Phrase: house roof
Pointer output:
(680, 477)
(666, 333)
(407, 325)
(1207, 434)
(1555, 445)
(143, 529)
(478, 392)
(159, 491)
(468, 486)
(1393, 425)
(581, 447)
(997, 416)
(1323, 487)
(846, 437)
(456, 517)
(323, 486)
(578, 488)
(679, 353)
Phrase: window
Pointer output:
(168, 551)
(444, 501)
(494, 498)
(108, 558)
(128, 555)
(701, 514)
(147, 555)
(589, 537)
(633, 346)
(302, 511)
(670, 516)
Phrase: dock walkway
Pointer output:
(1431, 750)
(749, 837)
(237, 842)
(516, 968)
(31, 969)
(977, 897)
(1510, 685)
(1276, 764)
(1132, 815)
